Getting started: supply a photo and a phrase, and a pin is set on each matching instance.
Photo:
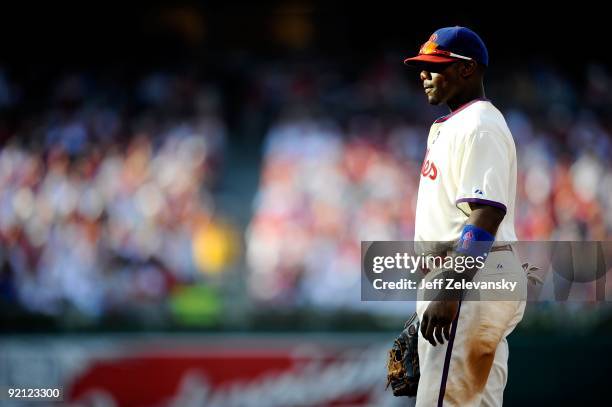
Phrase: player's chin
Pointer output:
(433, 100)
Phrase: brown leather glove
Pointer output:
(403, 365)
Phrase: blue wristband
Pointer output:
(475, 242)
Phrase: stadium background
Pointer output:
(183, 190)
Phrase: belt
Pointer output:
(502, 248)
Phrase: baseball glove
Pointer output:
(403, 365)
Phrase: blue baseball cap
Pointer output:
(450, 44)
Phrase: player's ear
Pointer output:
(425, 74)
(467, 68)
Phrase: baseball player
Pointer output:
(466, 195)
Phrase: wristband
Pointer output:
(474, 242)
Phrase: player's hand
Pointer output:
(437, 320)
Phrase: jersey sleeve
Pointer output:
(484, 170)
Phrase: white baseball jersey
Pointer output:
(471, 157)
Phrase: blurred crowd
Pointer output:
(110, 201)
(330, 181)
(100, 210)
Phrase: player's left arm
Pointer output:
(486, 217)
(438, 317)
(484, 176)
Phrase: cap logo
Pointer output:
(429, 47)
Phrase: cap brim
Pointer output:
(424, 59)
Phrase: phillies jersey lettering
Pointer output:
(428, 169)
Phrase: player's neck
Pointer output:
(466, 97)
